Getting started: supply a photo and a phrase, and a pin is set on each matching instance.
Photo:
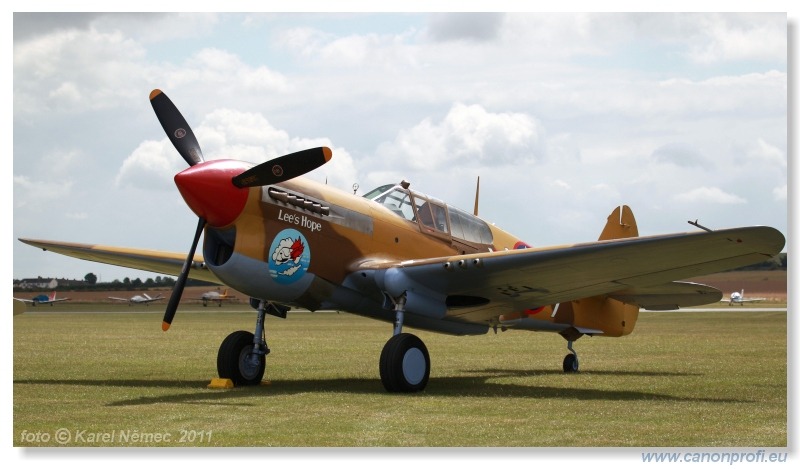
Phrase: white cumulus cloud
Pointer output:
(712, 195)
(468, 134)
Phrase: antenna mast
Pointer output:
(477, 194)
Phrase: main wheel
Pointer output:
(570, 363)
(405, 364)
(237, 362)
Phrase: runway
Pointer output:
(731, 309)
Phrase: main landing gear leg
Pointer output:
(405, 364)
(242, 355)
(571, 359)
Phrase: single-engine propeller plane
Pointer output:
(738, 298)
(43, 299)
(400, 256)
(215, 297)
(144, 299)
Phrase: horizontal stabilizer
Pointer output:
(671, 295)
(531, 324)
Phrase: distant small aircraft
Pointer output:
(215, 296)
(43, 299)
(138, 299)
(738, 298)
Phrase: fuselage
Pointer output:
(303, 243)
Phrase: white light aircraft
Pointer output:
(212, 296)
(138, 299)
(738, 298)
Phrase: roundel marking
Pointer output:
(277, 170)
(289, 256)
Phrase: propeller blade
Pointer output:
(176, 128)
(177, 291)
(283, 168)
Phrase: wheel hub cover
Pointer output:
(414, 366)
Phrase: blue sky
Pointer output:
(563, 116)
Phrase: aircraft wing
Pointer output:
(169, 263)
(43, 302)
(641, 270)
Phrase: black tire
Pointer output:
(570, 363)
(233, 360)
(405, 365)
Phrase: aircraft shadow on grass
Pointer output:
(479, 385)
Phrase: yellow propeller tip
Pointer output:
(154, 93)
(165, 326)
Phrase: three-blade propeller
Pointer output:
(274, 171)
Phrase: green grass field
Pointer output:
(714, 379)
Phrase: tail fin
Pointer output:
(53, 296)
(621, 224)
(609, 315)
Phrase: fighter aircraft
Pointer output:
(215, 296)
(138, 299)
(402, 257)
(739, 298)
(43, 299)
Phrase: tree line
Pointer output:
(128, 283)
(90, 283)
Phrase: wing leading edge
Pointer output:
(169, 263)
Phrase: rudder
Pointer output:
(620, 224)
(612, 316)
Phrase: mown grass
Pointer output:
(681, 379)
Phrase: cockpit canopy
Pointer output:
(432, 215)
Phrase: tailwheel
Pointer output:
(240, 360)
(571, 360)
(405, 364)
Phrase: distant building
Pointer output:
(42, 283)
